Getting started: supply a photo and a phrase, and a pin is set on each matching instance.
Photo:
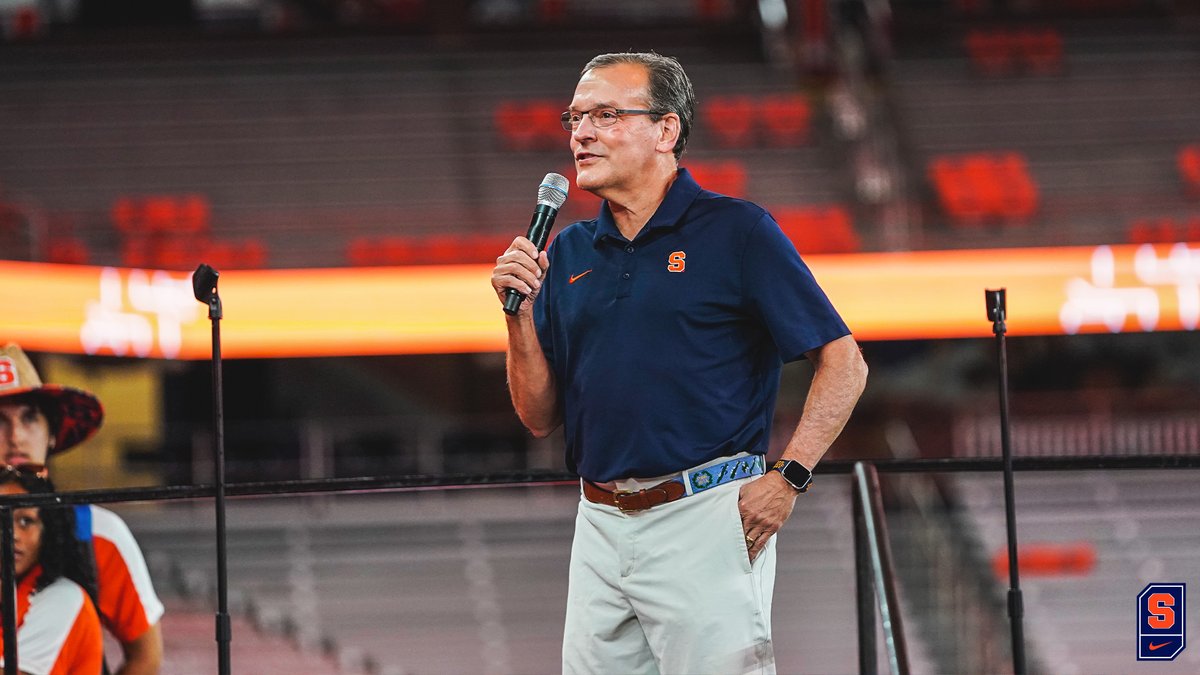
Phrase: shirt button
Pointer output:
(629, 249)
(626, 275)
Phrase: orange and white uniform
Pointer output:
(58, 630)
(127, 602)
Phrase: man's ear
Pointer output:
(671, 129)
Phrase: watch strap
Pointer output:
(796, 474)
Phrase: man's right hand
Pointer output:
(521, 268)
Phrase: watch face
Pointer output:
(794, 473)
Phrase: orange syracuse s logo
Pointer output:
(676, 261)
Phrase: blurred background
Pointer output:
(260, 134)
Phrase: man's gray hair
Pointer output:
(670, 90)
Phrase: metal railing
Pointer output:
(405, 483)
(875, 576)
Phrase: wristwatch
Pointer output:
(796, 474)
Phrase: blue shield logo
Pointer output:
(1161, 609)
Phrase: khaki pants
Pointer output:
(668, 590)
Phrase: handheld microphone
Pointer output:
(552, 193)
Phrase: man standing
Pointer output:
(656, 336)
(39, 420)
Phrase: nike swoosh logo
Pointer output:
(1155, 647)
(579, 276)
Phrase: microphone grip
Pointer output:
(539, 232)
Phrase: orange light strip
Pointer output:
(449, 309)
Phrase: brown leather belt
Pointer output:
(629, 502)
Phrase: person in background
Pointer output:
(58, 629)
(38, 421)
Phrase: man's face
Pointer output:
(616, 157)
(24, 433)
(27, 533)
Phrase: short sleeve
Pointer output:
(128, 604)
(60, 632)
(780, 289)
(541, 315)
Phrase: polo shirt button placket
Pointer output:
(625, 285)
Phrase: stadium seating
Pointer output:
(168, 232)
(727, 177)
(397, 578)
(1101, 536)
(68, 251)
(375, 143)
(820, 229)
(731, 120)
(189, 648)
(787, 119)
(769, 120)
(980, 188)
(1189, 168)
(1099, 141)
(1164, 230)
(428, 250)
(530, 125)
(996, 52)
(21, 22)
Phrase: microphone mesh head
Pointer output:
(553, 190)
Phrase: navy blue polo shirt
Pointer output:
(667, 349)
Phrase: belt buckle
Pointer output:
(621, 506)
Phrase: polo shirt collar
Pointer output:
(669, 213)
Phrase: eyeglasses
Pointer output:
(25, 469)
(601, 117)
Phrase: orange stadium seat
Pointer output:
(980, 187)
(175, 252)
(990, 52)
(167, 232)
(440, 249)
(786, 119)
(712, 10)
(252, 254)
(818, 229)
(1017, 196)
(219, 254)
(360, 251)
(165, 214)
(223, 254)
(1004, 52)
(552, 11)
(1164, 230)
(396, 251)
(730, 119)
(1189, 168)
(67, 250)
(447, 249)
(958, 190)
(530, 125)
(1041, 50)
(25, 23)
(480, 248)
(1049, 559)
(727, 178)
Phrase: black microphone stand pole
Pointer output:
(995, 300)
(204, 285)
(10, 591)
